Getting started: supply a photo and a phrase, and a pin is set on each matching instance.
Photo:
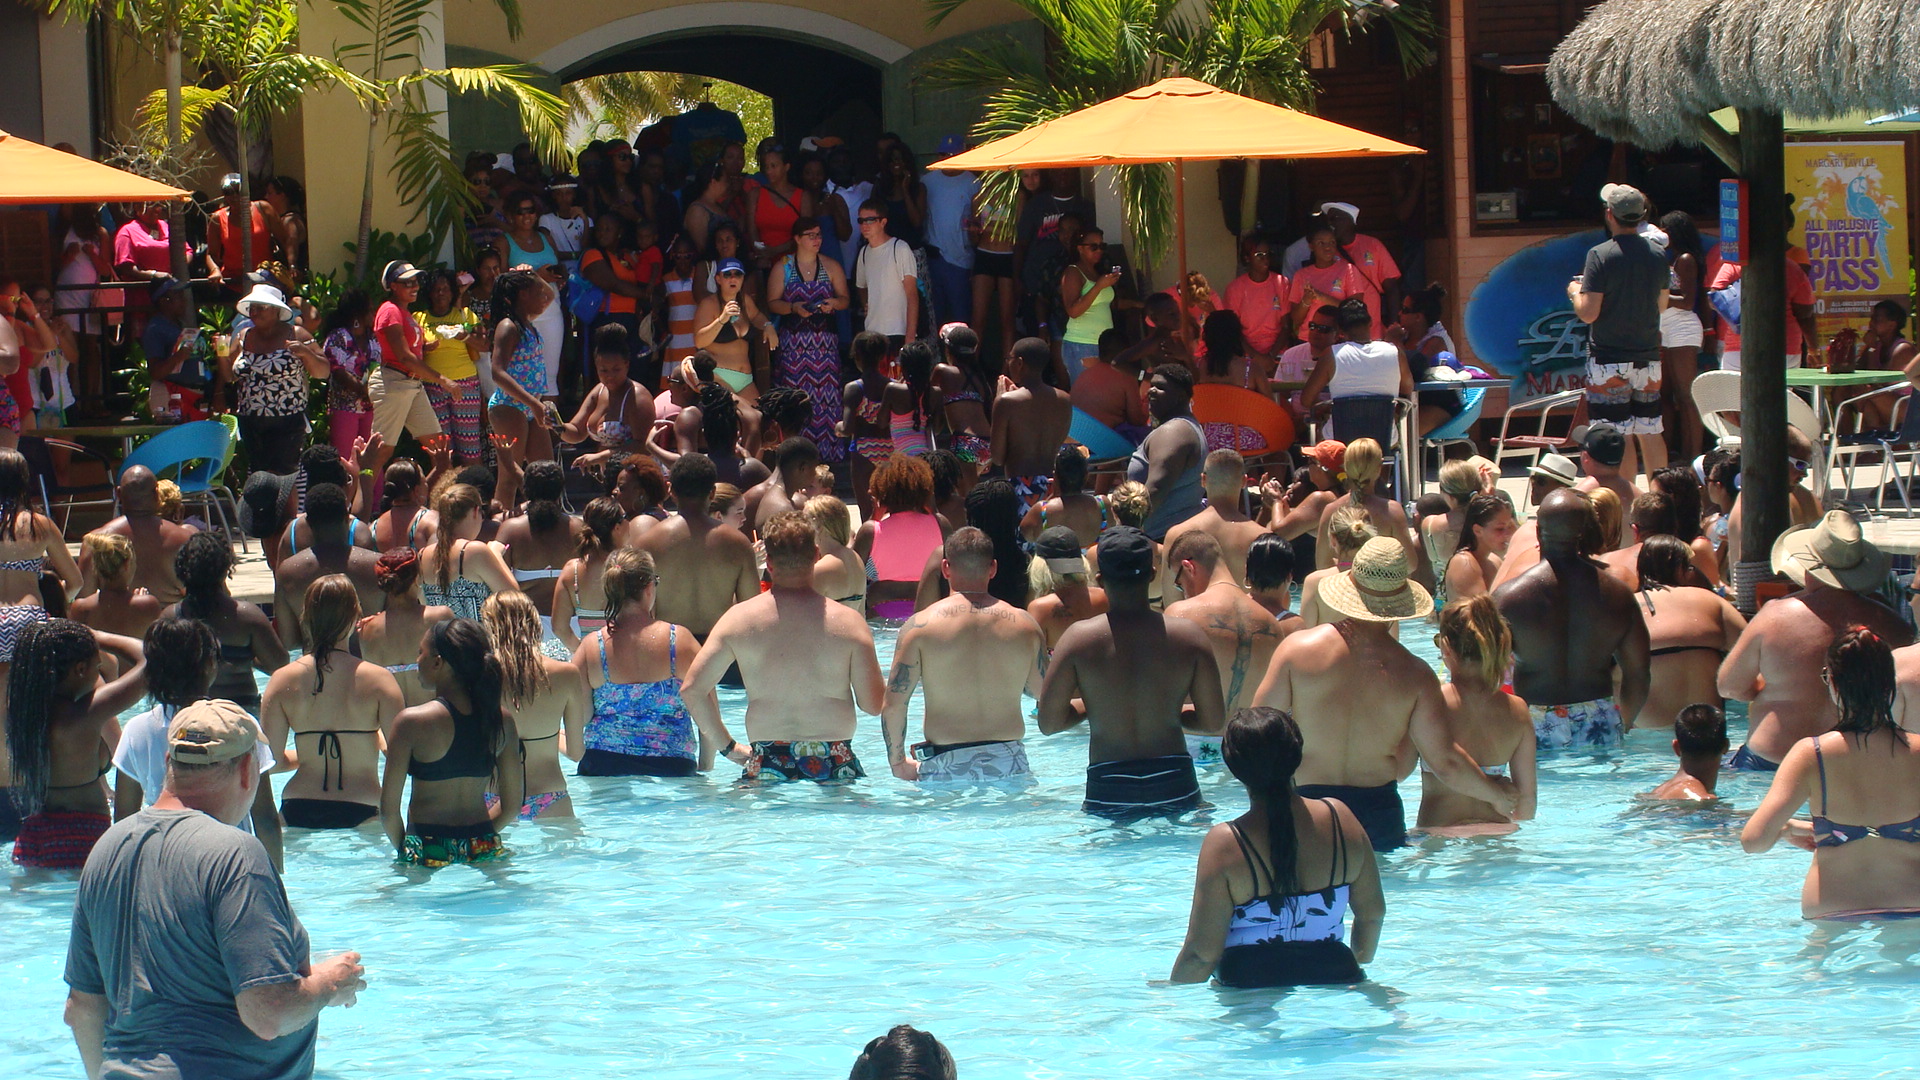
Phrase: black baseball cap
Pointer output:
(1602, 442)
(1126, 554)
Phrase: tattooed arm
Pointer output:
(900, 686)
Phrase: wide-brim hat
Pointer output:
(266, 296)
(1556, 467)
(263, 502)
(1832, 552)
(1377, 588)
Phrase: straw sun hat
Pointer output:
(1831, 552)
(1377, 589)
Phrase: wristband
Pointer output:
(728, 750)
(368, 473)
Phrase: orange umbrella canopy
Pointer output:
(1175, 119)
(32, 173)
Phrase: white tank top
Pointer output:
(1373, 368)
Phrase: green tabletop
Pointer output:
(1823, 377)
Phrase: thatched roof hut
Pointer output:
(1650, 71)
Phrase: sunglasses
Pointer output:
(1325, 328)
(1261, 255)
(1803, 466)
(869, 220)
(733, 273)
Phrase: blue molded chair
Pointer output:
(204, 445)
(1102, 442)
(1454, 431)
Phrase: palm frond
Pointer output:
(196, 103)
(543, 115)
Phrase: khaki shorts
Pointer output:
(400, 402)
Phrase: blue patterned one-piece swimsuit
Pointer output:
(643, 720)
(528, 366)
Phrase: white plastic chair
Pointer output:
(1716, 394)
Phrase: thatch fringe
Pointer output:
(1649, 71)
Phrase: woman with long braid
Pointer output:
(456, 748)
(29, 542)
(335, 707)
(62, 729)
(1300, 865)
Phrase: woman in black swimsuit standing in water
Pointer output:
(1689, 631)
(247, 638)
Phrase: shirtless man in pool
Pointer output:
(1779, 665)
(975, 655)
(1133, 668)
(1243, 633)
(705, 566)
(155, 539)
(1361, 699)
(1572, 623)
(807, 663)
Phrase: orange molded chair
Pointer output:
(1236, 418)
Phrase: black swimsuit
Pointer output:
(328, 813)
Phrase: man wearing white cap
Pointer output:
(1620, 294)
(1779, 666)
(185, 958)
(1379, 274)
(1359, 695)
(1554, 472)
(975, 655)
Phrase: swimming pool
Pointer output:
(685, 929)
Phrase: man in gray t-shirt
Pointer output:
(185, 959)
(1619, 295)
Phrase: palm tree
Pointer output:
(161, 27)
(424, 171)
(253, 47)
(626, 101)
(1100, 49)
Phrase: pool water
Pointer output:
(689, 929)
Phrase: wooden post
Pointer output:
(1763, 350)
(1180, 241)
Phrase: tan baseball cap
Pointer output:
(209, 732)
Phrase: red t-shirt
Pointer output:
(392, 314)
(1799, 291)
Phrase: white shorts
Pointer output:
(1679, 328)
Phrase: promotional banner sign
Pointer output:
(1521, 323)
(1850, 219)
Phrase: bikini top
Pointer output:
(25, 566)
(1828, 833)
(727, 333)
(613, 432)
(329, 750)
(1320, 915)
(468, 757)
(353, 534)
(586, 613)
(1098, 500)
(541, 574)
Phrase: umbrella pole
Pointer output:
(1180, 241)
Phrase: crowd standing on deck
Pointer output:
(481, 588)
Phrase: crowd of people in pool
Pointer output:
(454, 651)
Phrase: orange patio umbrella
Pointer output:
(32, 173)
(1175, 120)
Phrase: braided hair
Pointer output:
(916, 368)
(544, 483)
(203, 565)
(1262, 748)
(719, 419)
(42, 657)
(993, 507)
(506, 296)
